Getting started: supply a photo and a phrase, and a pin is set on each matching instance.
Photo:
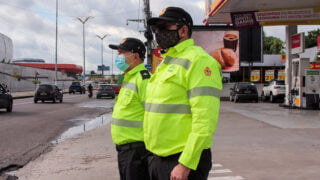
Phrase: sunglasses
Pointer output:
(164, 26)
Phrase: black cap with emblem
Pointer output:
(131, 44)
(174, 14)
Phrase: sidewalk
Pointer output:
(90, 155)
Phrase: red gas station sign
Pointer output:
(297, 43)
(314, 66)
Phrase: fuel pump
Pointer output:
(312, 89)
(299, 65)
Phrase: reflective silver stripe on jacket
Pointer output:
(186, 63)
(130, 85)
(127, 123)
(204, 91)
(168, 108)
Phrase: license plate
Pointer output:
(43, 94)
(105, 94)
(247, 92)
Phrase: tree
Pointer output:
(311, 38)
(272, 45)
(92, 72)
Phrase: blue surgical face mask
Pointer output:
(121, 62)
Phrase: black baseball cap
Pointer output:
(131, 44)
(174, 14)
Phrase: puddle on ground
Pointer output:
(86, 126)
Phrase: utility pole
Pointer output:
(147, 32)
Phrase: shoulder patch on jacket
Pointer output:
(145, 74)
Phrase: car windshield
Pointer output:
(105, 87)
(280, 83)
(245, 85)
(76, 83)
(45, 87)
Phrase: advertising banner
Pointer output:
(103, 67)
(289, 16)
(244, 19)
(255, 76)
(281, 74)
(297, 43)
(223, 45)
(315, 66)
(269, 75)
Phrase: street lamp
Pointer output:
(56, 53)
(84, 51)
(101, 38)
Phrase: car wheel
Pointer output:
(54, 100)
(113, 97)
(271, 98)
(256, 100)
(35, 100)
(42, 100)
(9, 108)
(231, 99)
(61, 100)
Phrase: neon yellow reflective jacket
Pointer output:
(128, 112)
(182, 104)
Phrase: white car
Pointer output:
(275, 90)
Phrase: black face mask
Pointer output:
(167, 38)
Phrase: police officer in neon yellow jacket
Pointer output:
(128, 112)
(182, 102)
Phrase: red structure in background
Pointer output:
(67, 68)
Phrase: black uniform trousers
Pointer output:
(132, 161)
(160, 167)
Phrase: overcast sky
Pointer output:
(31, 26)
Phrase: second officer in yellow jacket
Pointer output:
(128, 112)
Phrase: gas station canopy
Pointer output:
(272, 12)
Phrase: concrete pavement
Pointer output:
(274, 137)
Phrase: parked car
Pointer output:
(116, 88)
(105, 90)
(48, 92)
(275, 90)
(77, 87)
(6, 100)
(244, 91)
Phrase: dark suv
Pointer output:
(77, 87)
(105, 90)
(244, 91)
(5, 99)
(48, 92)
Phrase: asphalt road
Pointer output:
(28, 130)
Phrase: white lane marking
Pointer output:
(216, 165)
(226, 178)
(217, 171)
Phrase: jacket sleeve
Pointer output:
(204, 85)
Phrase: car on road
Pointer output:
(77, 87)
(116, 88)
(273, 91)
(6, 100)
(48, 92)
(244, 91)
(105, 90)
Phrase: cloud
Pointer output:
(31, 26)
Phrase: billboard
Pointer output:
(103, 67)
(221, 43)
